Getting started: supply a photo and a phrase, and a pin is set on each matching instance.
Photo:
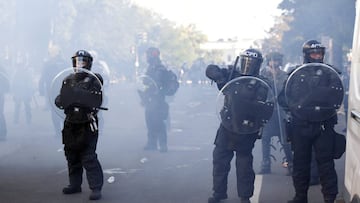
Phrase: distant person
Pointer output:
(196, 71)
(23, 90)
(4, 88)
(242, 118)
(80, 101)
(160, 82)
(51, 67)
(276, 125)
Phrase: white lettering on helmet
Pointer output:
(251, 54)
(313, 46)
(81, 53)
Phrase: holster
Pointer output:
(339, 144)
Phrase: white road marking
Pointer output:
(257, 185)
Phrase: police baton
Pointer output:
(232, 71)
(103, 108)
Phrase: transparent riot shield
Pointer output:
(314, 92)
(245, 104)
(146, 87)
(73, 86)
(145, 83)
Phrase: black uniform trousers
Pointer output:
(155, 117)
(320, 138)
(226, 143)
(82, 154)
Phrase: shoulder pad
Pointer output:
(291, 69)
(100, 78)
(70, 77)
(336, 69)
(265, 79)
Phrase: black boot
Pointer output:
(215, 199)
(329, 199)
(71, 190)
(163, 149)
(298, 199)
(149, 147)
(95, 195)
(244, 200)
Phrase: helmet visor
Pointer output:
(80, 62)
(316, 50)
(249, 66)
(316, 55)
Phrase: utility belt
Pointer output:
(82, 115)
(291, 122)
(323, 124)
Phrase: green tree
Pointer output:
(118, 26)
(316, 19)
(110, 27)
(275, 34)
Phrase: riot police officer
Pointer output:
(275, 126)
(23, 91)
(80, 100)
(160, 83)
(313, 117)
(238, 130)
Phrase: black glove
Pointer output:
(58, 102)
(214, 73)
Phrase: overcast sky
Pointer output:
(219, 18)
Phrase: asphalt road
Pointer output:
(33, 166)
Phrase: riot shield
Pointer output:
(245, 104)
(314, 92)
(75, 93)
(145, 83)
(146, 87)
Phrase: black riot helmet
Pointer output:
(313, 52)
(82, 59)
(274, 59)
(153, 55)
(250, 62)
